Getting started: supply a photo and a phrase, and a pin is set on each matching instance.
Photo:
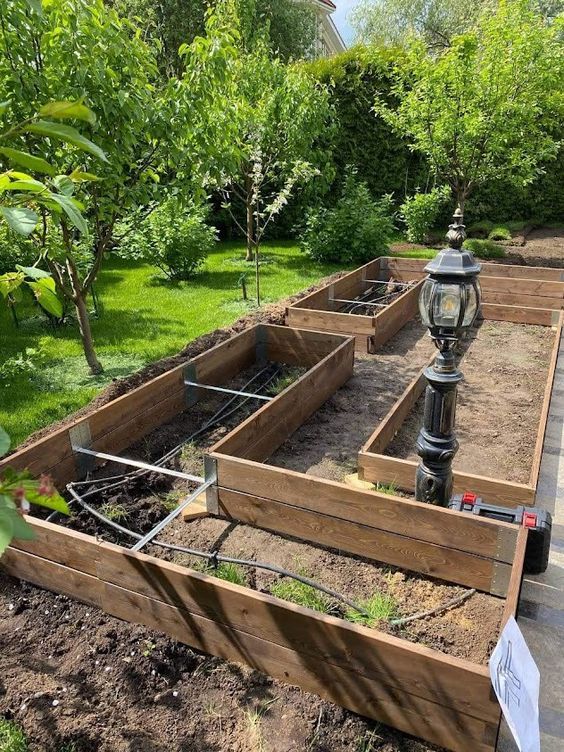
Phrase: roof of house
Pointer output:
(329, 4)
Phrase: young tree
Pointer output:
(278, 112)
(486, 107)
(155, 134)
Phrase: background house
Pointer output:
(330, 41)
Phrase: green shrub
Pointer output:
(420, 212)
(484, 249)
(174, 238)
(480, 229)
(500, 232)
(356, 230)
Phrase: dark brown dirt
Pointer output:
(499, 402)
(327, 445)
(73, 676)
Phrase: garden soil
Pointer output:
(499, 402)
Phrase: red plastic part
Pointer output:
(469, 498)
(529, 519)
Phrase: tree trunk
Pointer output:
(79, 295)
(86, 335)
(250, 221)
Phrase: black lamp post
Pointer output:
(448, 304)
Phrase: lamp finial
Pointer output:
(456, 234)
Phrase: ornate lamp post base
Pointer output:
(436, 444)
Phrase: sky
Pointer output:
(344, 7)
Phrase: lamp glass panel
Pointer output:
(446, 305)
(425, 301)
(471, 305)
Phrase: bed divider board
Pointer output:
(377, 467)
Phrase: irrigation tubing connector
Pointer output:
(213, 557)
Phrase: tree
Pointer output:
(155, 134)
(291, 26)
(486, 107)
(435, 22)
(279, 112)
(23, 195)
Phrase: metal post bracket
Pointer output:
(81, 436)
(191, 391)
(210, 474)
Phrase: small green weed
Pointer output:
(171, 499)
(149, 647)
(484, 249)
(386, 488)
(284, 381)
(303, 595)
(12, 738)
(114, 512)
(229, 573)
(379, 607)
(191, 458)
(367, 741)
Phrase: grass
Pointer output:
(484, 249)
(12, 738)
(303, 595)
(144, 318)
(379, 607)
(114, 512)
(386, 488)
(229, 573)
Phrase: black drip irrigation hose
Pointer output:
(216, 418)
(215, 558)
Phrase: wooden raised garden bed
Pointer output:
(510, 293)
(376, 466)
(442, 698)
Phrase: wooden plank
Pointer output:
(330, 321)
(517, 314)
(523, 287)
(392, 264)
(405, 517)
(520, 300)
(264, 431)
(383, 469)
(393, 421)
(300, 347)
(442, 562)
(543, 421)
(516, 579)
(428, 674)
(395, 316)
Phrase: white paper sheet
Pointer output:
(516, 682)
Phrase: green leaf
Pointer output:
(36, 164)
(4, 106)
(20, 528)
(35, 6)
(64, 110)
(6, 529)
(33, 272)
(20, 219)
(67, 134)
(64, 185)
(4, 442)
(10, 282)
(78, 176)
(55, 501)
(31, 186)
(73, 213)
(46, 298)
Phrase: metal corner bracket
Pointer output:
(210, 474)
(80, 436)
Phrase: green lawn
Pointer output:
(144, 318)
